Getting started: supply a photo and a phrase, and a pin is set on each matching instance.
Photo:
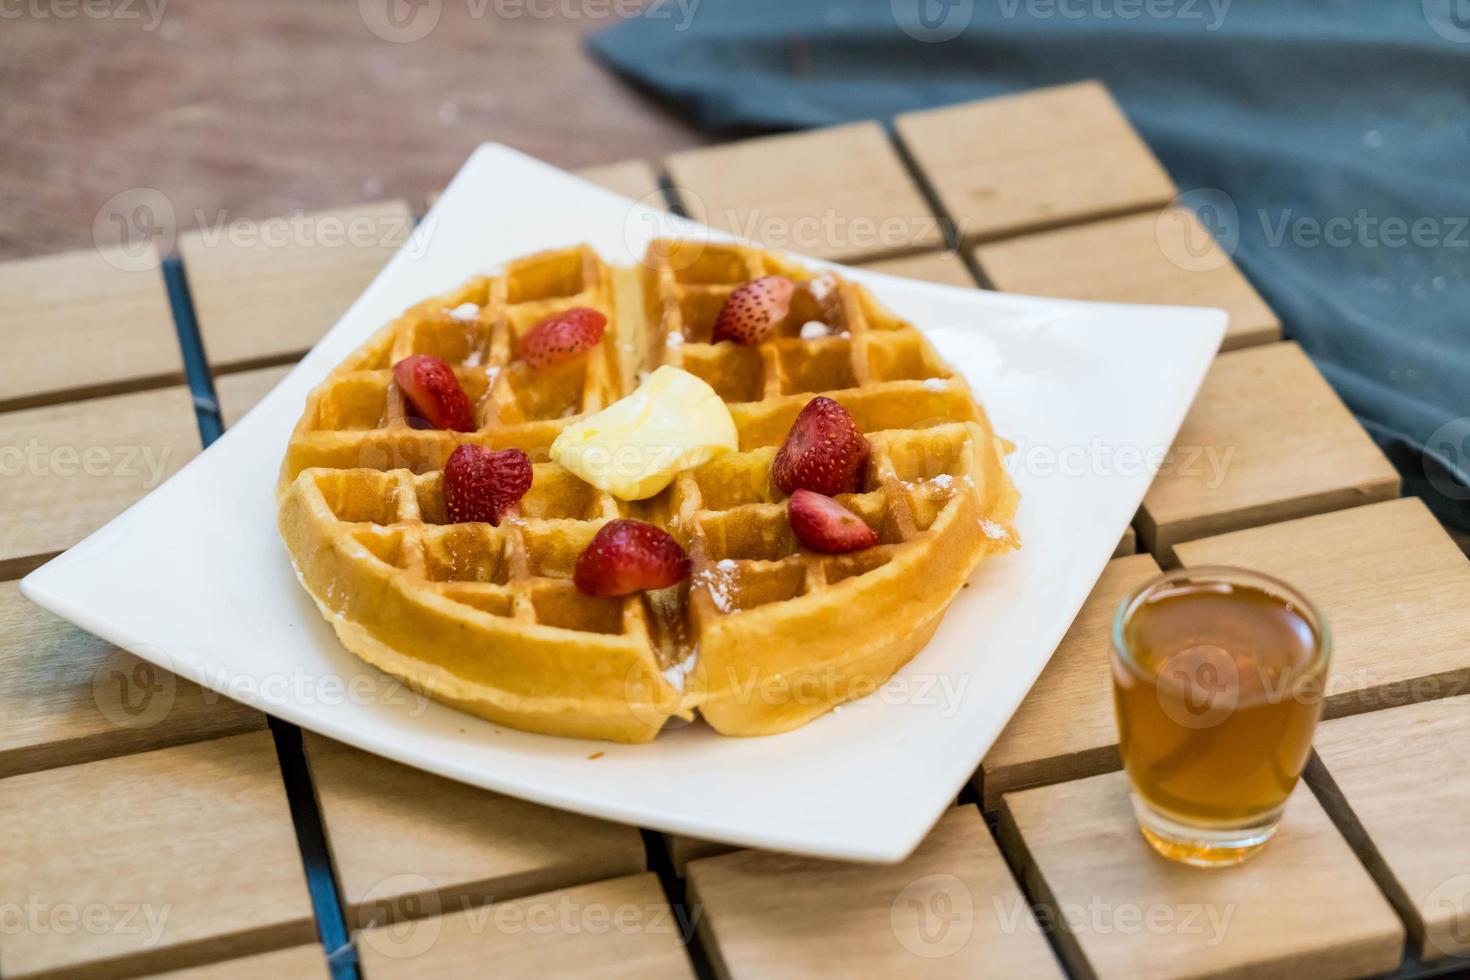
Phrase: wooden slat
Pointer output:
(257, 301)
(406, 843)
(840, 193)
(239, 392)
(1167, 258)
(631, 178)
(623, 928)
(941, 267)
(1405, 775)
(1128, 544)
(1304, 906)
(181, 856)
(1394, 589)
(296, 963)
(86, 320)
(1036, 160)
(1267, 440)
(68, 469)
(1065, 728)
(68, 697)
(950, 910)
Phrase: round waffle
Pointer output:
(764, 636)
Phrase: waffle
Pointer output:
(764, 636)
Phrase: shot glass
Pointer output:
(1218, 677)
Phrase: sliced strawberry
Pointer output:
(754, 309)
(563, 336)
(434, 393)
(629, 556)
(824, 451)
(822, 524)
(482, 484)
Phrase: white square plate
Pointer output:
(195, 578)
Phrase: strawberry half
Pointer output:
(822, 524)
(434, 393)
(754, 309)
(562, 337)
(824, 451)
(629, 556)
(482, 484)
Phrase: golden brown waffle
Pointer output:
(765, 635)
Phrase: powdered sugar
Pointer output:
(465, 311)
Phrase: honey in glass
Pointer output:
(1217, 684)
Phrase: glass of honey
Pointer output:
(1218, 677)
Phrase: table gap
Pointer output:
(676, 890)
(300, 794)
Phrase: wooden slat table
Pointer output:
(85, 322)
(175, 857)
(122, 784)
(1304, 904)
(404, 841)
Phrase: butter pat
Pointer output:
(634, 447)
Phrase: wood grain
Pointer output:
(840, 193)
(631, 178)
(68, 469)
(85, 321)
(67, 696)
(621, 928)
(946, 268)
(296, 963)
(406, 843)
(1405, 775)
(197, 837)
(950, 910)
(1128, 544)
(1035, 160)
(1302, 907)
(1267, 440)
(1065, 729)
(270, 290)
(1167, 258)
(238, 393)
(259, 109)
(1392, 585)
